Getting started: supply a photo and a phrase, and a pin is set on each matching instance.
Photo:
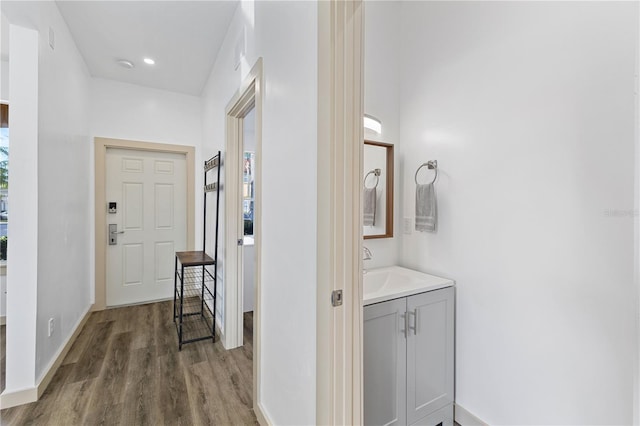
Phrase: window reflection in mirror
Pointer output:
(378, 190)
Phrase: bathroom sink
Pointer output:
(392, 282)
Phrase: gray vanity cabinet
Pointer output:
(408, 360)
(385, 363)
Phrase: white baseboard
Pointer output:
(51, 369)
(3, 320)
(19, 397)
(261, 415)
(465, 418)
(25, 396)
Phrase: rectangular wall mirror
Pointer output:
(378, 190)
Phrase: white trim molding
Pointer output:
(636, 239)
(465, 418)
(339, 259)
(19, 397)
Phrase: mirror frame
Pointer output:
(389, 191)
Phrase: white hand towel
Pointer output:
(426, 208)
(369, 206)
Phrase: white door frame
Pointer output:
(636, 242)
(100, 152)
(249, 96)
(340, 166)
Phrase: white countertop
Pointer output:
(393, 282)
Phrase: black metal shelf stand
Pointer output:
(196, 278)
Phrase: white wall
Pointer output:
(63, 187)
(3, 298)
(382, 100)
(22, 277)
(56, 212)
(529, 109)
(289, 208)
(127, 111)
(289, 190)
(4, 80)
(4, 58)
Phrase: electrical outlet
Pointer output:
(407, 225)
(51, 326)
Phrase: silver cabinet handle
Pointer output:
(415, 321)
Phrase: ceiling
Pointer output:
(183, 37)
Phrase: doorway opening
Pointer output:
(248, 214)
(243, 201)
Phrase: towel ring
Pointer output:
(376, 173)
(431, 165)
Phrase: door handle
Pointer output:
(415, 321)
(113, 234)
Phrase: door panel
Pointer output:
(151, 195)
(132, 260)
(164, 167)
(385, 363)
(133, 205)
(164, 206)
(164, 270)
(132, 165)
(429, 353)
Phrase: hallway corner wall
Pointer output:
(60, 206)
(289, 185)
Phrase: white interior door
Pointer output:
(150, 192)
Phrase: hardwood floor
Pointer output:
(125, 369)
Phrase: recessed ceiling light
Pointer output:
(125, 63)
(149, 61)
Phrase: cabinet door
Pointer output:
(429, 353)
(385, 362)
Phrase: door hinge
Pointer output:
(336, 298)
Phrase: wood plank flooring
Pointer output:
(125, 369)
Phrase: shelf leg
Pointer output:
(181, 306)
(202, 295)
(175, 287)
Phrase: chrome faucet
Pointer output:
(366, 253)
